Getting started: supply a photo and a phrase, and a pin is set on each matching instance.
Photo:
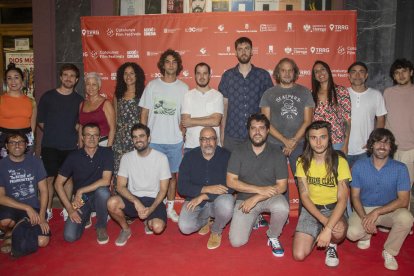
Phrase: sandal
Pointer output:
(6, 246)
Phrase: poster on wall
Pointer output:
(303, 36)
(24, 61)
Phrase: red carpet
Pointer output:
(175, 254)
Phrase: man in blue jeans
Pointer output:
(202, 182)
(91, 169)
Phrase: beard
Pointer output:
(202, 84)
(244, 60)
(259, 143)
(141, 149)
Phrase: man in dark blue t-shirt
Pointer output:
(22, 178)
(91, 169)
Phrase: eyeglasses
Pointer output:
(207, 139)
(15, 143)
(91, 136)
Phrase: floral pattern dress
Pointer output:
(128, 114)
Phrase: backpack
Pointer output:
(24, 238)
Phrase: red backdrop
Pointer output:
(209, 37)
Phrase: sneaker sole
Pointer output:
(332, 265)
(103, 242)
(122, 244)
(278, 254)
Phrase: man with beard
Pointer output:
(257, 170)
(198, 5)
(380, 193)
(242, 87)
(289, 107)
(202, 107)
(323, 178)
(142, 181)
(400, 118)
(202, 182)
(57, 116)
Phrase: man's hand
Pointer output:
(185, 122)
(195, 202)
(33, 216)
(368, 222)
(215, 189)
(141, 210)
(74, 215)
(267, 191)
(45, 227)
(324, 237)
(247, 205)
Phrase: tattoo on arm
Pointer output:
(302, 187)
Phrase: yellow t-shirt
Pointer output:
(322, 189)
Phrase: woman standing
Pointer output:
(96, 109)
(17, 111)
(130, 81)
(332, 104)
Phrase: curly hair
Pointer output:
(276, 71)
(380, 134)
(316, 85)
(177, 57)
(121, 86)
(398, 64)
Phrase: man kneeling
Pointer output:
(147, 173)
(22, 177)
(380, 193)
(202, 180)
(323, 177)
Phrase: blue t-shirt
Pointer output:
(20, 179)
(243, 96)
(378, 188)
(86, 170)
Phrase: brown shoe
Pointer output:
(214, 241)
(206, 228)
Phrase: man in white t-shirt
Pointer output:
(202, 107)
(142, 184)
(368, 111)
(161, 111)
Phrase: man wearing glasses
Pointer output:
(91, 169)
(202, 182)
(22, 178)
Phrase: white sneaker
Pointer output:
(49, 214)
(389, 261)
(331, 258)
(147, 230)
(364, 244)
(64, 214)
(93, 214)
(172, 215)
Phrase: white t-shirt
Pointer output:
(365, 107)
(164, 102)
(144, 173)
(198, 104)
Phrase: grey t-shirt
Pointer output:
(287, 108)
(260, 170)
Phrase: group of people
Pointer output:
(227, 152)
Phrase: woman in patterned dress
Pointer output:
(332, 104)
(130, 79)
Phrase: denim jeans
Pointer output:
(221, 209)
(96, 202)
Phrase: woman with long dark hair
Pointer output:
(332, 104)
(130, 83)
(17, 111)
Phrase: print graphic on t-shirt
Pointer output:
(22, 184)
(326, 181)
(164, 106)
(288, 110)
